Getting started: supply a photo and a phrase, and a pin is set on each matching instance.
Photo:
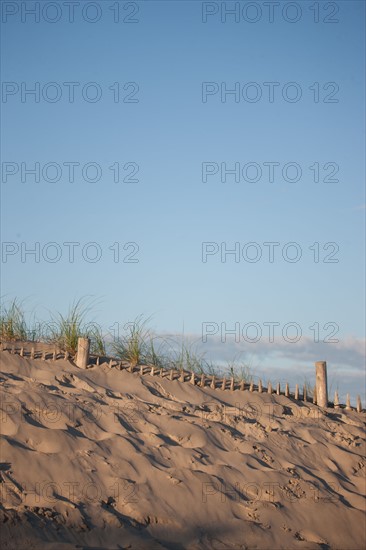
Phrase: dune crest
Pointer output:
(100, 458)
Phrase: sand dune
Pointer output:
(101, 458)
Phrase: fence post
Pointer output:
(359, 404)
(321, 384)
(82, 355)
(336, 400)
(348, 403)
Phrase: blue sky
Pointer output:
(169, 133)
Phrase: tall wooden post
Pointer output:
(359, 404)
(82, 356)
(321, 383)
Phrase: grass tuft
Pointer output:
(66, 330)
(13, 325)
(240, 371)
(137, 344)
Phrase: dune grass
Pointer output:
(13, 325)
(240, 371)
(66, 330)
(138, 345)
(184, 356)
(155, 352)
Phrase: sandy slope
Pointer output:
(99, 458)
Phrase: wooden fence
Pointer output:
(85, 360)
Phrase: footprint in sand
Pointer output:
(309, 536)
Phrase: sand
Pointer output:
(102, 458)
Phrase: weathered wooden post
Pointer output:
(32, 352)
(336, 400)
(182, 377)
(359, 404)
(297, 391)
(141, 370)
(202, 384)
(348, 403)
(251, 387)
(232, 384)
(193, 379)
(171, 374)
(260, 387)
(278, 389)
(269, 387)
(304, 394)
(242, 385)
(321, 383)
(82, 355)
(223, 385)
(152, 371)
(213, 383)
(21, 352)
(287, 390)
